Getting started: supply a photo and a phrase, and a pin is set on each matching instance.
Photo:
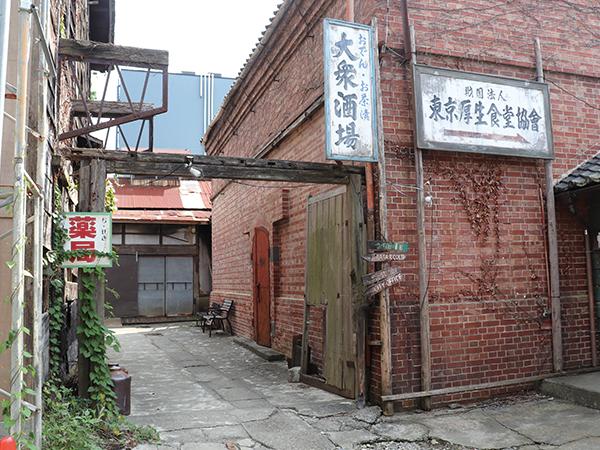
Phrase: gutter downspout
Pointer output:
(361, 354)
(590, 284)
(38, 279)
(4, 35)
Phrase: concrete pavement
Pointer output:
(206, 393)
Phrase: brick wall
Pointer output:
(485, 234)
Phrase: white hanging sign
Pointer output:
(88, 231)
(350, 100)
(473, 112)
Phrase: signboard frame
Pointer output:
(367, 145)
(458, 139)
(100, 245)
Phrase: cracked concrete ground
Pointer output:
(205, 393)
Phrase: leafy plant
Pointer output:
(72, 423)
(96, 337)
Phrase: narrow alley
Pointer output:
(205, 393)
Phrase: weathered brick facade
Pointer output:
(487, 279)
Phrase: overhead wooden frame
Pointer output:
(178, 165)
(118, 113)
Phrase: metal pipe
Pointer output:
(406, 30)
(4, 35)
(19, 211)
(361, 357)
(590, 283)
(37, 318)
(34, 133)
(38, 293)
(350, 10)
(549, 289)
(27, 405)
(44, 42)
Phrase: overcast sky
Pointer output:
(201, 36)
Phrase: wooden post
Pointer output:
(384, 300)
(98, 204)
(557, 353)
(422, 250)
(92, 194)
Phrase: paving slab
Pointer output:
(473, 429)
(551, 422)
(287, 431)
(401, 431)
(350, 439)
(584, 444)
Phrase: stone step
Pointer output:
(582, 389)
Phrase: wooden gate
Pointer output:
(334, 238)
(262, 287)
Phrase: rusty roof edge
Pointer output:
(262, 43)
(566, 180)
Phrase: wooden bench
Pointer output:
(215, 315)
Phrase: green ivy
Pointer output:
(96, 337)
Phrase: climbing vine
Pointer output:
(95, 336)
(478, 191)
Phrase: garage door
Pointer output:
(165, 286)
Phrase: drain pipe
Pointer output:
(590, 283)
(361, 354)
(4, 34)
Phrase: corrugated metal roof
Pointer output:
(162, 216)
(586, 174)
(189, 195)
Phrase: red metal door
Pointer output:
(262, 287)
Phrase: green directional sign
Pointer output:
(387, 246)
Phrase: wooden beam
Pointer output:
(385, 327)
(109, 109)
(110, 53)
(555, 301)
(481, 386)
(163, 164)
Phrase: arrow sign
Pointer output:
(382, 257)
(384, 245)
(490, 136)
(379, 275)
(378, 287)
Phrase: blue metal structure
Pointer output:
(194, 100)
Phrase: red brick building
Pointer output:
(487, 273)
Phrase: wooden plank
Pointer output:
(387, 283)
(379, 275)
(459, 389)
(160, 164)
(109, 109)
(384, 257)
(384, 301)
(78, 154)
(100, 51)
(234, 173)
(383, 245)
(557, 348)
